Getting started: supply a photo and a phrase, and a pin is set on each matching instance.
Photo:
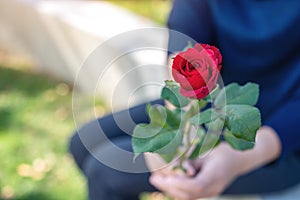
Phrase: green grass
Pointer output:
(35, 125)
(157, 10)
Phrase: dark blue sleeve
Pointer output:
(191, 18)
(285, 121)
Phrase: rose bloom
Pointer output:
(197, 70)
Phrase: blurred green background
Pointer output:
(157, 10)
(36, 123)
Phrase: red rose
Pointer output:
(197, 70)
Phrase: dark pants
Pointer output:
(107, 182)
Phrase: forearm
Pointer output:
(267, 148)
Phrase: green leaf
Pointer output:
(148, 106)
(153, 143)
(174, 117)
(172, 146)
(204, 117)
(157, 115)
(206, 143)
(161, 135)
(171, 83)
(243, 121)
(171, 93)
(158, 118)
(165, 142)
(146, 130)
(236, 94)
(216, 125)
(209, 142)
(236, 143)
(169, 151)
(167, 157)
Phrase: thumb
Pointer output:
(190, 170)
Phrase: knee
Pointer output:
(83, 139)
(114, 184)
(97, 177)
(73, 143)
(100, 175)
(77, 149)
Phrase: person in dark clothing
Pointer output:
(259, 41)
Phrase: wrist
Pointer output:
(267, 149)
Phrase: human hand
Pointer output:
(216, 171)
(219, 168)
(159, 167)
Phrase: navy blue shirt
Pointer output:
(260, 42)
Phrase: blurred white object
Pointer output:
(60, 35)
